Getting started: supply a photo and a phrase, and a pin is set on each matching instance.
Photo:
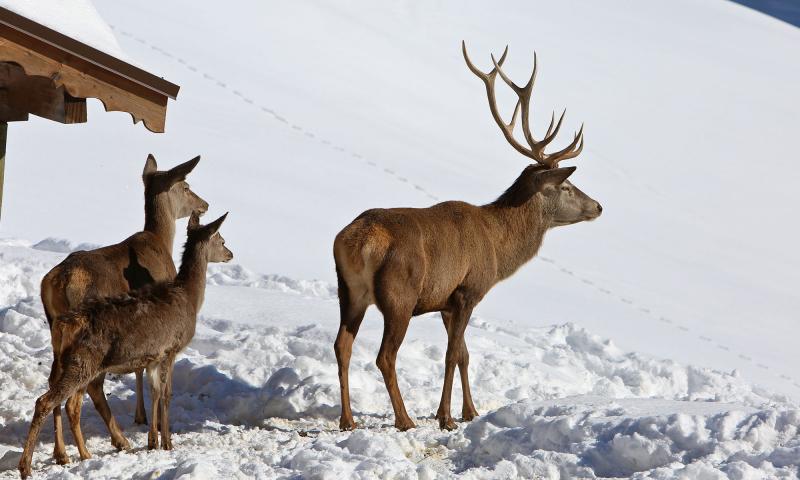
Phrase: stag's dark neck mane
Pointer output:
(520, 223)
(523, 188)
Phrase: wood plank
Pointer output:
(10, 73)
(3, 134)
(21, 94)
(143, 105)
(46, 36)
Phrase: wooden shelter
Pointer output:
(48, 74)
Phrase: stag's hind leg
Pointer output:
(394, 330)
(351, 315)
(395, 297)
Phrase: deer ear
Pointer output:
(556, 176)
(194, 220)
(213, 227)
(178, 174)
(150, 166)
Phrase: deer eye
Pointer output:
(565, 189)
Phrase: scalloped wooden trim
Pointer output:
(79, 84)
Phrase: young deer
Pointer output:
(145, 328)
(143, 258)
(445, 258)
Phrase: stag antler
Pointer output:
(536, 150)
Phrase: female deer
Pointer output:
(145, 328)
(144, 257)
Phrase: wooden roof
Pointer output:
(50, 74)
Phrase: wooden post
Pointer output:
(3, 131)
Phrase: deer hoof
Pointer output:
(166, 445)
(405, 424)
(24, 470)
(120, 445)
(447, 423)
(61, 458)
(347, 424)
(469, 416)
(152, 441)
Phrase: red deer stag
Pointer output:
(144, 328)
(143, 258)
(410, 261)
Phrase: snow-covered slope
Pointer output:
(308, 113)
(256, 395)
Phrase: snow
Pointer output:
(307, 114)
(256, 395)
(311, 113)
(77, 19)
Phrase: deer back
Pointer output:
(435, 249)
(139, 260)
(131, 330)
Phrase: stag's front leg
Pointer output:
(351, 317)
(456, 323)
(154, 376)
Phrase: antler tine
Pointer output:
(489, 81)
(536, 150)
(514, 116)
(550, 127)
(524, 101)
(548, 137)
(482, 75)
(569, 151)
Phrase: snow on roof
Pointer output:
(77, 19)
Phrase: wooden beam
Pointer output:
(142, 104)
(3, 132)
(76, 54)
(21, 94)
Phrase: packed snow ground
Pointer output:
(256, 396)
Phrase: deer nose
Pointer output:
(599, 209)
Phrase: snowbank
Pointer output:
(261, 399)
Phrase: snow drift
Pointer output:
(256, 394)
